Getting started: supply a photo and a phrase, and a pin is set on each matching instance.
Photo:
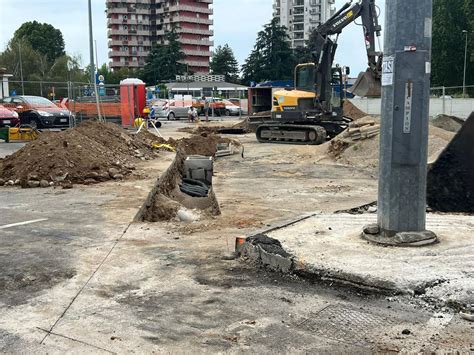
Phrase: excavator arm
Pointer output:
(368, 83)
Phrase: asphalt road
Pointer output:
(80, 277)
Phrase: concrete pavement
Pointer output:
(329, 247)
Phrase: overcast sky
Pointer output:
(236, 22)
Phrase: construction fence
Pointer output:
(80, 98)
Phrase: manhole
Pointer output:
(346, 325)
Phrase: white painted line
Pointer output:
(22, 223)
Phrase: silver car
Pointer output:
(170, 109)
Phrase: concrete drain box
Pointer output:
(199, 167)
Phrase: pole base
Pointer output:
(373, 233)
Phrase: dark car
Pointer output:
(38, 112)
(8, 118)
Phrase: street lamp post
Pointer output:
(465, 66)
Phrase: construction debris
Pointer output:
(364, 128)
(359, 145)
(90, 153)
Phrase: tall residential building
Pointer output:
(134, 25)
(301, 17)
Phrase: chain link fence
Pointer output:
(80, 99)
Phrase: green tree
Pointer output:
(164, 60)
(224, 63)
(43, 38)
(449, 21)
(272, 58)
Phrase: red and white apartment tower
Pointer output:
(134, 25)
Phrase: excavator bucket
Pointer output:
(367, 85)
(451, 177)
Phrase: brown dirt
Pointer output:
(366, 152)
(245, 125)
(351, 111)
(89, 153)
(448, 123)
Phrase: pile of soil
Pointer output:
(366, 152)
(245, 126)
(89, 153)
(201, 129)
(448, 123)
(351, 111)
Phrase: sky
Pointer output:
(236, 22)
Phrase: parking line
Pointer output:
(22, 223)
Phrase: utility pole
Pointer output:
(464, 91)
(92, 65)
(404, 127)
(21, 70)
(91, 45)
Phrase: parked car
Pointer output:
(238, 102)
(8, 118)
(170, 109)
(38, 112)
(231, 109)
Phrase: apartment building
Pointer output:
(302, 16)
(134, 25)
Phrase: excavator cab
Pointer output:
(304, 77)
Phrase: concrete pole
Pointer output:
(404, 130)
(91, 45)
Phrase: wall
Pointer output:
(454, 107)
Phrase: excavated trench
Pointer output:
(166, 199)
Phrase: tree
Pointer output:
(450, 18)
(272, 58)
(164, 60)
(224, 63)
(43, 38)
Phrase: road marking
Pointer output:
(23, 223)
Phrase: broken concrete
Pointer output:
(329, 247)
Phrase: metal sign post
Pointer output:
(404, 130)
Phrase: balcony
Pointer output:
(130, 2)
(193, 63)
(196, 52)
(196, 31)
(119, 54)
(206, 43)
(112, 32)
(189, 19)
(195, 9)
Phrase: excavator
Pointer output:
(310, 113)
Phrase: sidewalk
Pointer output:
(329, 247)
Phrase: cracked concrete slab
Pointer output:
(329, 246)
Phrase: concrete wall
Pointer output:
(454, 107)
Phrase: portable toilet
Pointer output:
(133, 100)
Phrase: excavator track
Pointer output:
(291, 134)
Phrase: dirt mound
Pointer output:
(351, 110)
(245, 126)
(366, 152)
(202, 144)
(201, 129)
(89, 153)
(448, 123)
